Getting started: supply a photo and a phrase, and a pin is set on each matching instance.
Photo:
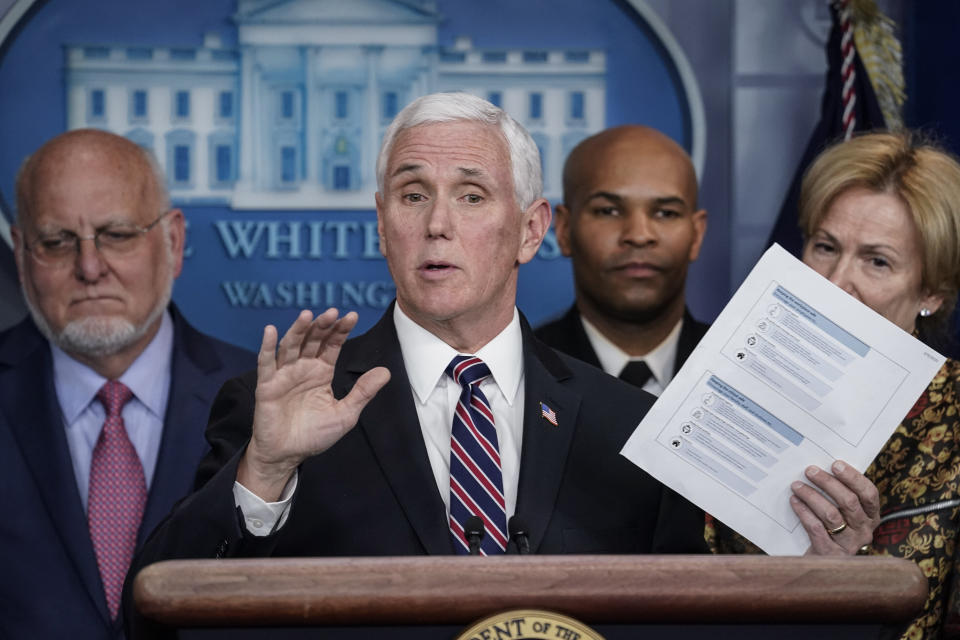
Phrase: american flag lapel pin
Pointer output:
(548, 414)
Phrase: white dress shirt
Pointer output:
(613, 359)
(83, 415)
(435, 396)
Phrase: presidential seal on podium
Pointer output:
(529, 624)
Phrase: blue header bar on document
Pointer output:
(751, 407)
(822, 322)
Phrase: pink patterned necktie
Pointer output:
(118, 493)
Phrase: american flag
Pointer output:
(850, 102)
(548, 414)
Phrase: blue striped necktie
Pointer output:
(476, 482)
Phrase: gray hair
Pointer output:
(449, 107)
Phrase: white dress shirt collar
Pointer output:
(613, 359)
(425, 356)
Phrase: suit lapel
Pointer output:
(690, 334)
(580, 346)
(31, 408)
(392, 428)
(192, 388)
(545, 445)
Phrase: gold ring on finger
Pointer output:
(836, 530)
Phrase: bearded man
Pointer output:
(104, 389)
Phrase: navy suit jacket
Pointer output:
(373, 493)
(567, 334)
(51, 586)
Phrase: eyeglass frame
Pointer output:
(139, 232)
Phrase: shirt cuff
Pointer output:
(263, 518)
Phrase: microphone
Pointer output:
(473, 532)
(519, 534)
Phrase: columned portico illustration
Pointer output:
(293, 115)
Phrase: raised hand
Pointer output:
(845, 522)
(296, 414)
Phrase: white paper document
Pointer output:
(793, 372)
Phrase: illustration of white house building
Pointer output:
(292, 117)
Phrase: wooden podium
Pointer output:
(619, 596)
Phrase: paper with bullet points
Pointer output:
(794, 372)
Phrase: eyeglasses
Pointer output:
(115, 239)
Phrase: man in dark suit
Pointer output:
(97, 249)
(354, 448)
(631, 225)
(378, 446)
